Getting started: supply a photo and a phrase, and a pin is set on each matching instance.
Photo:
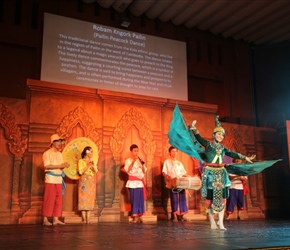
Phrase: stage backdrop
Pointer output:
(111, 122)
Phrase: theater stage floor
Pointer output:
(245, 234)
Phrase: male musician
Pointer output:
(172, 168)
(236, 196)
(136, 170)
(54, 165)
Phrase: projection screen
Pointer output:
(97, 56)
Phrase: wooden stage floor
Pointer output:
(245, 234)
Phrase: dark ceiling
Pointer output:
(258, 22)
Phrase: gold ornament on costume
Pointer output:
(72, 154)
(218, 127)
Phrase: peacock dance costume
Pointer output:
(215, 180)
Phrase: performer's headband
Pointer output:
(218, 127)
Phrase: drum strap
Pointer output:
(176, 190)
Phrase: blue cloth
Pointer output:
(236, 198)
(137, 201)
(184, 140)
(62, 175)
(209, 177)
(246, 169)
(178, 199)
(180, 138)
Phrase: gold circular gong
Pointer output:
(72, 154)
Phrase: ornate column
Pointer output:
(17, 146)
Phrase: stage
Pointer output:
(244, 234)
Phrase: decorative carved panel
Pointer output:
(129, 118)
(17, 146)
(79, 116)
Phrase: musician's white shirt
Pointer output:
(135, 171)
(236, 183)
(173, 168)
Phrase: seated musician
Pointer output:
(172, 168)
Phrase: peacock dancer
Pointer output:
(215, 179)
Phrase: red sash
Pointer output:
(213, 165)
(134, 178)
(246, 189)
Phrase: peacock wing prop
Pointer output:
(246, 169)
(180, 138)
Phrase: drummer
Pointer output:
(172, 168)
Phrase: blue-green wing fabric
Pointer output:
(246, 169)
(179, 136)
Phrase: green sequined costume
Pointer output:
(215, 180)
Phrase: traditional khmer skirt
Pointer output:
(87, 192)
(215, 184)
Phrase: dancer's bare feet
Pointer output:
(135, 220)
(57, 222)
(47, 223)
(221, 226)
(213, 226)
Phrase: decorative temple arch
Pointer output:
(17, 146)
(116, 143)
(132, 117)
(74, 117)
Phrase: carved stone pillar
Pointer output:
(15, 187)
(17, 146)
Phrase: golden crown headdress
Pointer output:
(218, 127)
